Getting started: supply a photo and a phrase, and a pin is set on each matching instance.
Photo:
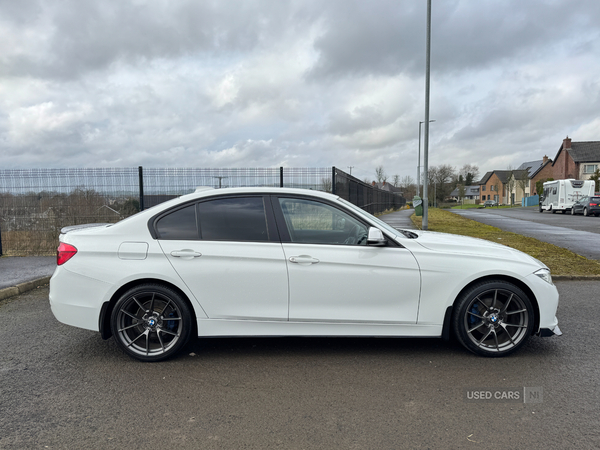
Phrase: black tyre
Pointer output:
(585, 212)
(493, 318)
(573, 211)
(151, 322)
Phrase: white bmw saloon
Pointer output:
(291, 262)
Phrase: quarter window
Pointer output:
(178, 225)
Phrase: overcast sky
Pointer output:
(220, 83)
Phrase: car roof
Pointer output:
(202, 192)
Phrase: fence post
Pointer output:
(281, 177)
(0, 242)
(141, 174)
(333, 180)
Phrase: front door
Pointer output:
(335, 277)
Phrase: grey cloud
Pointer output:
(388, 37)
(87, 35)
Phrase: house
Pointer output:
(471, 194)
(522, 182)
(385, 186)
(577, 160)
(543, 172)
(493, 186)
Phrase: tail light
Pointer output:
(64, 253)
(593, 204)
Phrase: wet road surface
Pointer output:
(63, 387)
(577, 233)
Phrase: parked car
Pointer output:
(587, 206)
(488, 203)
(282, 262)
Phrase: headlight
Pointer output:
(544, 274)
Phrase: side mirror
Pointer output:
(376, 238)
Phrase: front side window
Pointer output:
(313, 222)
(233, 219)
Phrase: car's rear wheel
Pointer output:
(151, 322)
(585, 212)
(493, 318)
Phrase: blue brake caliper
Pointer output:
(472, 319)
(171, 324)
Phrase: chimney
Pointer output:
(545, 160)
(567, 143)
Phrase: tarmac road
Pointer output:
(576, 233)
(62, 387)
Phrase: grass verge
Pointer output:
(562, 262)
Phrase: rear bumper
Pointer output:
(75, 299)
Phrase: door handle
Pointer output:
(185, 254)
(304, 260)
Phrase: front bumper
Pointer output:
(547, 332)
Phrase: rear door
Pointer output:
(227, 251)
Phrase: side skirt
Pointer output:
(220, 327)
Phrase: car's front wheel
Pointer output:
(151, 322)
(493, 318)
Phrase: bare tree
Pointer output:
(522, 177)
(470, 173)
(396, 180)
(510, 185)
(461, 192)
(408, 186)
(440, 181)
(380, 174)
(596, 178)
(497, 186)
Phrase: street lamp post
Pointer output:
(419, 161)
(425, 220)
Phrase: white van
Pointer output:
(560, 195)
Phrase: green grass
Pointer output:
(560, 260)
(466, 206)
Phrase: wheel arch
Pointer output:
(107, 307)
(447, 326)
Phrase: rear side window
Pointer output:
(178, 225)
(233, 219)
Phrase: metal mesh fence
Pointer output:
(364, 195)
(36, 203)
